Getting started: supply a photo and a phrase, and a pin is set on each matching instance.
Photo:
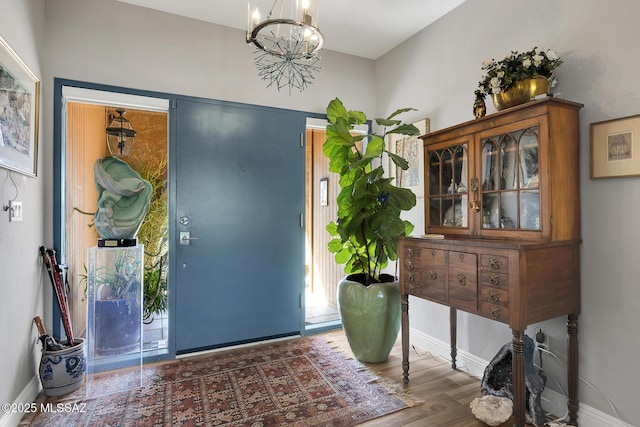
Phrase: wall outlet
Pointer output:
(541, 339)
(15, 211)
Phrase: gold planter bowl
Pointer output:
(522, 91)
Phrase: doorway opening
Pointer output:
(86, 115)
(322, 271)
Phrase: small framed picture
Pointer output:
(614, 148)
(324, 191)
(19, 113)
(409, 147)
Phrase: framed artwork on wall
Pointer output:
(615, 149)
(409, 147)
(324, 192)
(19, 113)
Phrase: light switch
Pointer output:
(15, 211)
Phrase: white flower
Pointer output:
(552, 55)
(500, 74)
(526, 63)
(495, 84)
(487, 63)
(537, 60)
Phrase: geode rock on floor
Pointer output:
(498, 380)
(492, 410)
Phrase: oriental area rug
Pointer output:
(299, 382)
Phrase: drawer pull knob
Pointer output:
(433, 254)
(461, 256)
(462, 278)
(495, 263)
(495, 297)
(412, 277)
(433, 274)
(495, 312)
(410, 252)
(410, 265)
(495, 279)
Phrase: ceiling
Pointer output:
(366, 28)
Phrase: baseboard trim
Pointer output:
(474, 366)
(27, 395)
(465, 361)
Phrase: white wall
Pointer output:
(21, 272)
(114, 43)
(437, 72)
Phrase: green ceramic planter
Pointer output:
(370, 318)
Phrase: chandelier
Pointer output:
(288, 41)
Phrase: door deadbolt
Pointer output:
(185, 238)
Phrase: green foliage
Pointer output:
(153, 234)
(121, 280)
(155, 288)
(368, 226)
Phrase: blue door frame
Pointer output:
(59, 167)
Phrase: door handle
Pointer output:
(185, 238)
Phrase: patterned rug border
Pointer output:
(303, 381)
(392, 387)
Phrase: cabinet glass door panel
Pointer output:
(507, 193)
(489, 165)
(529, 167)
(434, 173)
(435, 211)
(508, 163)
(460, 170)
(491, 210)
(530, 210)
(509, 209)
(446, 166)
(457, 214)
(448, 186)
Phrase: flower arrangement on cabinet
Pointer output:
(501, 75)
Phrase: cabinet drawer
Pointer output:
(494, 262)
(463, 280)
(409, 278)
(412, 264)
(430, 289)
(494, 279)
(433, 257)
(494, 295)
(412, 252)
(495, 312)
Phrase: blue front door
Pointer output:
(239, 195)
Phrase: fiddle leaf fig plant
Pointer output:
(365, 234)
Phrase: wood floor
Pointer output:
(446, 393)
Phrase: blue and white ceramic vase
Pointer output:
(63, 371)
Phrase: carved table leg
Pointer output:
(453, 331)
(405, 337)
(572, 368)
(518, 380)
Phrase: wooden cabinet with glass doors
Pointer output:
(502, 196)
(513, 174)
